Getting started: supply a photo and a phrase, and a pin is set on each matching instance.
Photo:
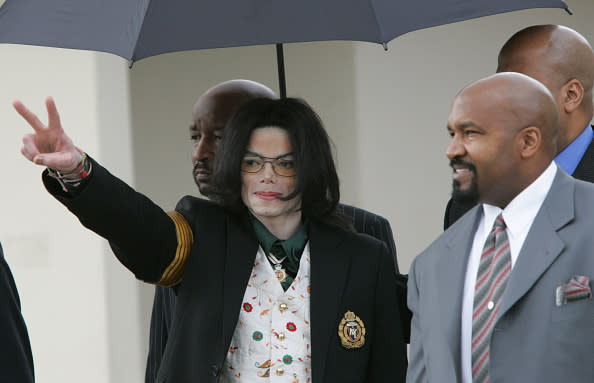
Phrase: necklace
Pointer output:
(277, 264)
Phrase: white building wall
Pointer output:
(386, 112)
(127, 325)
(58, 266)
(80, 305)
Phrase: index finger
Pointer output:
(29, 116)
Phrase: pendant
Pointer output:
(280, 273)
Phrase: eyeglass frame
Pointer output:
(265, 160)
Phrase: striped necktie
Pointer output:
(491, 279)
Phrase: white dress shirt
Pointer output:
(518, 216)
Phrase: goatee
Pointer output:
(471, 194)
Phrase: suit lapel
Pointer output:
(449, 279)
(543, 244)
(242, 247)
(329, 270)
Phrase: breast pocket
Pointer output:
(578, 313)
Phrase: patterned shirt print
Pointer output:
(272, 340)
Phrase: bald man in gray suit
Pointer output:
(563, 60)
(519, 309)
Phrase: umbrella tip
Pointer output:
(385, 45)
(568, 10)
(130, 63)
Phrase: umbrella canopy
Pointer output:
(136, 29)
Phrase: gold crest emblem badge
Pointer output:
(351, 331)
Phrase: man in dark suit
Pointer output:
(16, 361)
(505, 294)
(210, 114)
(561, 59)
(271, 279)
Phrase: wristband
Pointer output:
(74, 178)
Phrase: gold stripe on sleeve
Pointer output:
(173, 274)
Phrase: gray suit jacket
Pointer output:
(534, 340)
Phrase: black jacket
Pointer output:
(348, 272)
(164, 300)
(16, 361)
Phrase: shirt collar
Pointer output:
(520, 212)
(571, 156)
(293, 245)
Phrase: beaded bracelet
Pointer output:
(73, 178)
(79, 173)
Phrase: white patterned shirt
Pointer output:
(272, 339)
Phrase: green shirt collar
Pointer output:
(293, 246)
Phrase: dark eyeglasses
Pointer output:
(282, 166)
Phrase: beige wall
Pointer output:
(58, 266)
(385, 111)
(80, 306)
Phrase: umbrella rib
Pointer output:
(380, 36)
(133, 53)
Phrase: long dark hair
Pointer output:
(317, 181)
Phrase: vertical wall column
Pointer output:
(59, 267)
(127, 326)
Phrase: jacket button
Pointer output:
(280, 371)
(214, 369)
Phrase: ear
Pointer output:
(572, 95)
(530, 140)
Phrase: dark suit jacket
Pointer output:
(348, 272)
(372, 224)
(16, 361)
(164, 300)
(584, 171)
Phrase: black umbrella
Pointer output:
(136, 29)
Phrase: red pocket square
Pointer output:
(577, 288)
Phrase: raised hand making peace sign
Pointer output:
(48, 145)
